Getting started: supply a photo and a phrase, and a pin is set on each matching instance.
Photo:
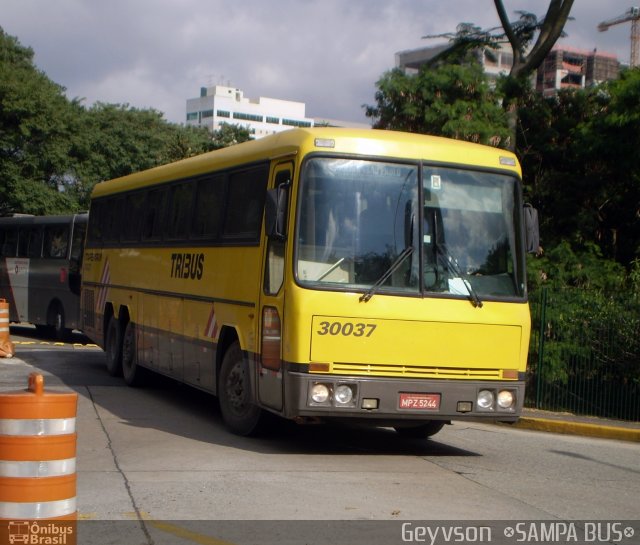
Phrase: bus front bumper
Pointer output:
(400, 400)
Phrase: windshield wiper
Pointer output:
(451, 263)
(392, 268)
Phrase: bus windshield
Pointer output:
(360, 224)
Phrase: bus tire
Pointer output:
(421, 431)
(239, 412)
(113, 348)
(131, 371)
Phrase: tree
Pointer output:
(35, 121)
(116, 140)
(53, 151)
(581, 166)
(229, 135)
(451, 100)
(525, 64)
(520, 35)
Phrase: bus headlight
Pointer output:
(506, 399)
(343, 395)
(485, 399)
(320, 393)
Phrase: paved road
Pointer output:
(160, 453)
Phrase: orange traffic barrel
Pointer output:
(6, 346)
(38, 454)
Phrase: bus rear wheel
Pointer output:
(113, 348)
(131, 371)
(421, 431)
(239, 412)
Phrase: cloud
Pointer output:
(326, 53)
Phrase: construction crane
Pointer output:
(633, 15)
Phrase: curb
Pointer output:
(578, 428)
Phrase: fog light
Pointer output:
(343, 395)
(485, 399)
(370, 403)
(506, 399)
(465, 406)
(320, 393)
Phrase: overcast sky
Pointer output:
(325, 53)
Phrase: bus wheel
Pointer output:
(113, 348)
(239, 413)
(421, 431)
(131, 371)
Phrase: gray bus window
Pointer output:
(23, 241)
(56, 241)
(35, 243)
(10, 243)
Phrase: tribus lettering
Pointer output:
(187, 266)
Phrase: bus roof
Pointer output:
(334, 141)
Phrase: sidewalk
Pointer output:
(533, 419)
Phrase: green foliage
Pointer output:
(530, 39)
(53, 151)
(562, 267)
(450, 100)
(229, 135)
(116, 140)
(34, 134)
(585, 345)
(581, 166)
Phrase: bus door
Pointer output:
(17, 267)
(270, 371)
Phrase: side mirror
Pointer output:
(531, 229)
(276, 212)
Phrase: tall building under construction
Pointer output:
(571, 68)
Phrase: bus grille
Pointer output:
(414, 371)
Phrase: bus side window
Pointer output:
(154, 214)
(245, 203)
(208, 208)
(56, 241)
(35, 242)
(96, 224)
(112, 219)
(179, 211)
(78, 241)
(10, 243)
(274, 269)
(23, 241)
(134, 217)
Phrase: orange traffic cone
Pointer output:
(6, 346)
(38, 464)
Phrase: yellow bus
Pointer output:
(319, 274)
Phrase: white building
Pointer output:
(264, 116)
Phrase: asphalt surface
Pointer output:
(137, 485)
(532, 419)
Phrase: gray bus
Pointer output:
(40, 264)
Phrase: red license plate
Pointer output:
(422, 402)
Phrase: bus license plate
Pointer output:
(423, 402)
